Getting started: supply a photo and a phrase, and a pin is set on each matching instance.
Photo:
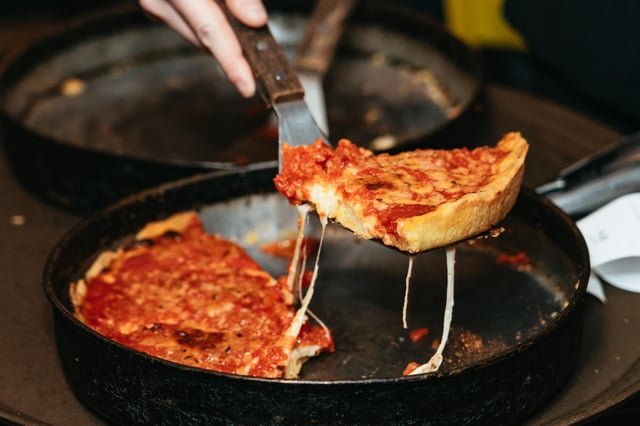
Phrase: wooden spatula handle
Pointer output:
(275, 77)
(324, 29)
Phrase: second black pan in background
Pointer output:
(116, 103)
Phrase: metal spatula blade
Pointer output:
(314, 98)
(277, 83)
(316, 50)
(293, 124)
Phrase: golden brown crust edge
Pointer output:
(473, 213)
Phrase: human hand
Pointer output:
(203, 23)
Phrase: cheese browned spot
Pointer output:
(195, 298)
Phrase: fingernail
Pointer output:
(246, 87)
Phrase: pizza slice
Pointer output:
(415, 200)
(184, 295)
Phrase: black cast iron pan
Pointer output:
(116, 103)
(515, 338)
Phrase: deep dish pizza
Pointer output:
(184, 295)
(415, 200)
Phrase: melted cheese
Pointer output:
(407, 282)
(294, 277)
(436, 359)
(296, 274)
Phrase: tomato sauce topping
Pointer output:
(520, 259)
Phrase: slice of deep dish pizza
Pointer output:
(413, 201)
(187, 296)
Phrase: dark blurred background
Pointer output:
(579, 53)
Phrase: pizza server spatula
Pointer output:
(316, 50)
(277, 83)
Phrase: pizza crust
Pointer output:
(471, 214)
(177, 222)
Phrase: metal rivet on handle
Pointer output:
(262, 45)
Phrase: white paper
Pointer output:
(595, 288)
(612, 234)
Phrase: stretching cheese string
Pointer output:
(407, 282)
(298, 273)
(294, 267)
(436, 360)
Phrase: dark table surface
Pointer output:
(607, 377)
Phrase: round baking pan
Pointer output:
(516, 331)
(116, 103)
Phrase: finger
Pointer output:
(249, 12)
(163, 11)
(213, 31)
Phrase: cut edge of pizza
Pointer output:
(274, 355)
(415, 200)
